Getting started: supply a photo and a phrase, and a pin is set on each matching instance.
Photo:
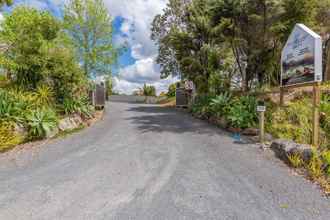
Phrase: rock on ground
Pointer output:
(283, 148)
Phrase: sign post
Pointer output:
(261, 108)
(316, 114)
(301, 65)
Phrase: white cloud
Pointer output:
(143, 71)
(126, 87)
(138, 15)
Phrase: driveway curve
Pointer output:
(147, 162)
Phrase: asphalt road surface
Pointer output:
(147, 162)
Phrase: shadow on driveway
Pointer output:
(162, 119)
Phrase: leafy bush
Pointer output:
(40, 58)
(41, 122)
(12, 106)
(29, 32)
(148, 90)
(326, 160)
(8, 138)
(325, 116)
(44, 96)
(242, 113)
(220, 105)
(171, 90)
(109, 83)
(293, 122)
(201, 106)
(315, 166)
(3, 80)
(80, 106)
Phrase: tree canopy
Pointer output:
(38, 52)
(89, 25)
(221, 44)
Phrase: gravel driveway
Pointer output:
(148, 162)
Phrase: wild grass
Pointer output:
(295, 160)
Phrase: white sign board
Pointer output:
(302, 57)
(261, 108)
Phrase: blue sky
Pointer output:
(131, 22)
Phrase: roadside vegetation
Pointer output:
(146, 90)
(42, 79)
(231, 50)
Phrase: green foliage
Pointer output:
(44, 96)
(43, 76)
(171, 90)
(28, 34)
(326, 160)
(221, 44)
(293, 122)
(79, 106)
(8, 138)
(315, 166)
(90, 27)
(220, 105)
(148, 90)
(65, 75)
(295, 160)
(41, 122)
(15, 103)
(242, 113)
(12, 106)
(110, 84)
(201, 106)
(325, 114)
(40, 57)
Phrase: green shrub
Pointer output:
(295, 160)
(315, 166)
(8, 139)
(201, 106)
(80, 106)
(220, 105)
(326, 160)
(3, 80)
(242, 113)
(29, 32)
(325, 116)
(109, 83)
(293, 122)
(171, 90)
(148, 90)
(44, 96)
(11, 107)
(41, 122)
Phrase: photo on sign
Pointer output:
(299, 57)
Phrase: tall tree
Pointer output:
(218, 43)
(27, 34)
(90, 27)
(38, 53)
(173, 17)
